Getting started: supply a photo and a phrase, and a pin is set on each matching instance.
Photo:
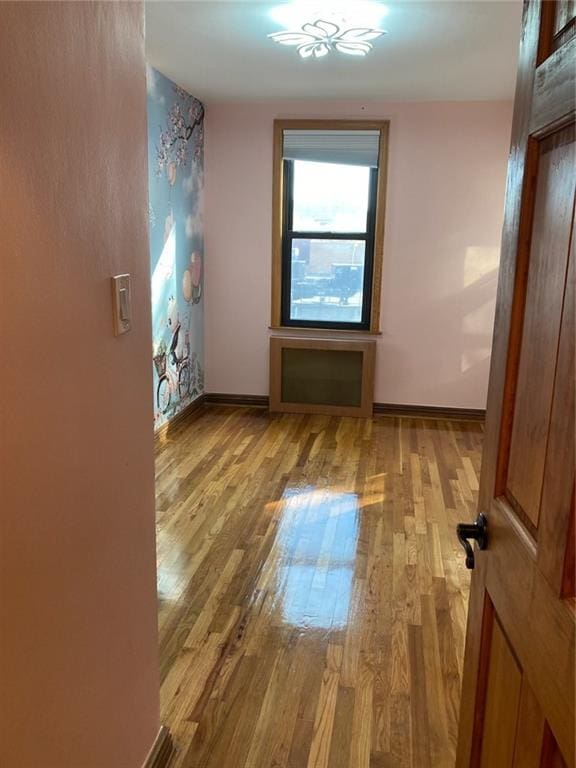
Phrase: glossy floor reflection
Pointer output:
(312, 593)
(314, 556)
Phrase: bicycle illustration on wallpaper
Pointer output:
(179, 374)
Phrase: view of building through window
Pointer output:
(327, 280)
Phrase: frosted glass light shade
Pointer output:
(318, 38)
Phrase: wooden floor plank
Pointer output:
(312, 594)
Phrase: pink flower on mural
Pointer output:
(173, 148)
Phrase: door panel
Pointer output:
(551, 755)
(557, 508)
(539, 627)
(565, 12)
(502, 702)
(518, 699)
(530, 730)
(559, 23)
(552, 225)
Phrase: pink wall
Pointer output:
(78, 639)
(445, 202)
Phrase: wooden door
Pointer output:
(518, 693)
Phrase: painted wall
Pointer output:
(78, 638)
(176, 192)
(446, 183)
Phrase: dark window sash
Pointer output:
(316, 235)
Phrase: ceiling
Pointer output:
(434, 50)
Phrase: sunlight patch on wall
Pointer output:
(164, 269)
(479, 342)
(478, 320)
(479, 261)
(474, 357)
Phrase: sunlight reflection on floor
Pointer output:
(316, 547)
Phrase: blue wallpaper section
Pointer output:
(176, 182)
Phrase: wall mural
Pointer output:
(176, 181)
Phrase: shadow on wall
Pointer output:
(469, 314)
(473, 310)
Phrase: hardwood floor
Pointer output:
(313, 595)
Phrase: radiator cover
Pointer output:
(321, 376)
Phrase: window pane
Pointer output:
(327, 280)
(330, 197)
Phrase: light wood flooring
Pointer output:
(313, 594)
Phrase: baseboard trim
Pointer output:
(386, 409)
(430, 412)
(162, 750)
(250, 401)
(195, 408)
(191, 412)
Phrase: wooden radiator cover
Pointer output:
(322, 376)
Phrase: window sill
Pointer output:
(324, 331)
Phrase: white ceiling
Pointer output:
(434, 50)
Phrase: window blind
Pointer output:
(341, 147)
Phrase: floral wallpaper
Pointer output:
(176, 181)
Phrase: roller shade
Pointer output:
(342, 147)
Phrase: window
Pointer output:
(328, 224)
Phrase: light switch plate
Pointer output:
(121, 304)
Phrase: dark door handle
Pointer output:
(478, 531)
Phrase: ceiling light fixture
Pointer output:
(344, 13)
(320, 37)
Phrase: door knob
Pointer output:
(477, 531)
